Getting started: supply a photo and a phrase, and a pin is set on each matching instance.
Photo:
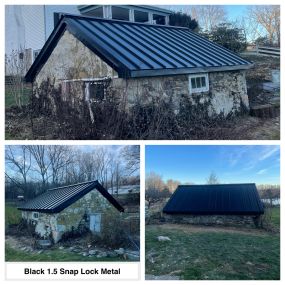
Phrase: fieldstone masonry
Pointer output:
(71, 60)
(222, 220)
(54, 225)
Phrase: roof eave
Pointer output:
(164, 72)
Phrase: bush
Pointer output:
(110, 119)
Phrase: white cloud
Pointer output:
(262, 171)
(268, 152)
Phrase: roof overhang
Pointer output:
(164, 72)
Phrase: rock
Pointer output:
(102, 254)
(84, 254)
(44, 243)
(92, 251)
(23, 248)
(61, 247)
(112, 254)
(76, 250)
(163, 238)
(134, 255)
(40, 251)
(120, 251)
(249, 263)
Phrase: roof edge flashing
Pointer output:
(180, 71)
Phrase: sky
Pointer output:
(234, 12)
(231, 163)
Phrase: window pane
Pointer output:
(96, 90)
(198, 82)
(203, 81)
(119, 13)
(193, 83)
(141, 17)
(160, 20)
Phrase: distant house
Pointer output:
(67, 208)
(88, 58)
(223, 204)
(27, 27)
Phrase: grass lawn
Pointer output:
(10, 100)
(12, 215)
(275, 216)
(213, 255)
(51, 255)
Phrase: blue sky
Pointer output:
(231, 163)
(234, 12)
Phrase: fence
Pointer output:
(270, 51)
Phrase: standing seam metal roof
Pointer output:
(57, 199)
(139, 50)
(223, 199)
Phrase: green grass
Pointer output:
(213, 255)
(275, 216)
(51, 255)
(10, 99)
(12, 215)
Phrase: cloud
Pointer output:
(262, 171)
(268, 152)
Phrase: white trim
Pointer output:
(200, 89)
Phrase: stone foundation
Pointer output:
(208, 220)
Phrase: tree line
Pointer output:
(156, 188)
(260, 24)
(32, 169)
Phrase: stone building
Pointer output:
(68, 208)
(89, 59)
(221, 204)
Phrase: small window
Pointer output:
(198, 83)
(35, 215)
(97, 91)
(36, 53)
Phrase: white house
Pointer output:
(27, 27)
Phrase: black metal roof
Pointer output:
(220, 199)
(57, 199)
(139, 50)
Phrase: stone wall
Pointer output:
(222, 220)
(71, 60)
(227, 92)
(54, 225)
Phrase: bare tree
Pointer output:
(19, 159)
(131, 154)
(212, 179)
(172, 185)
(38, 153)
(59, 157)
(208, 16)
(268, 18)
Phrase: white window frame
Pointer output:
(35, 213)
(200, 89)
